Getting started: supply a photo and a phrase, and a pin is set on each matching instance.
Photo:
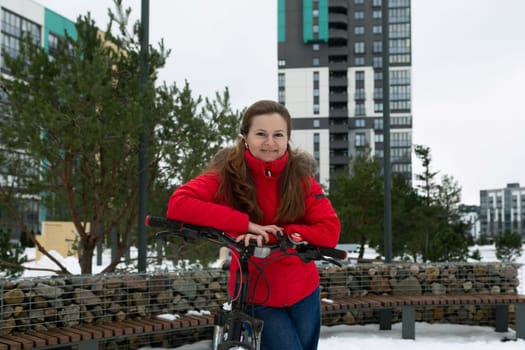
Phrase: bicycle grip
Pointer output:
(157, 221)
(333, 253)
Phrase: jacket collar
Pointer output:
(269, 169)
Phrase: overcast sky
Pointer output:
(468, 69)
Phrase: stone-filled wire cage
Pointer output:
(420, 279)
(47, 303)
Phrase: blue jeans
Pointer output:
(292, 328)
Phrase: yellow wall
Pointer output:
(58, 236)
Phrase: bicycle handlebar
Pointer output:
(305, 251)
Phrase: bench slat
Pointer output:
(391, 301)
(25, 343)
(84, 335)
(48, 338)
(36, 341)
(155, 326)
(11, 345)
(136, 327)
(63, 337)
(126, 329)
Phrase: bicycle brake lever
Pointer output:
(333, 261)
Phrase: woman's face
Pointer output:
(267, 138)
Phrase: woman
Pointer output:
(258, 189)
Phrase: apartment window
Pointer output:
(399, 30)
(359, 61)
(359, 93)
(360, 75)
(400, 77)
(378, 75)
(377, 46)
(52, 43)
(378, 93)
(378, 107)
(378, 138)
(404, 58)
(400, 46)
(377, 29)
(315, 47)
(316, 123)
(399, 15)
(14, 28)
(401, 154)
(377, 14)
(359, 15)
(401, 168)
(282, 97)
(315, 61)
(378, 124)
(377, 62)
(360, 108)
(281, 80)
(359, 30)
(281, 63)
(360, 123)
(401, 139)
(359, 47)
(376, 3)
(316, 92)
(315, 29)
(360, 139)
(359, 2)
(400, 92)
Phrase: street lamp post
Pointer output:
(143, 148)
(387, 171)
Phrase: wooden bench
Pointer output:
(88, 337)
(384, 304)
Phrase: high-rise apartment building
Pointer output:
(502, 210)
(18, 19)
(330, 71)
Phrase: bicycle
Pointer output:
(234, 328)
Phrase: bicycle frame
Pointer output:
(235, 328)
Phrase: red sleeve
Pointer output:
(321, 225)
(193, 203)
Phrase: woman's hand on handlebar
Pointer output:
(259, 233)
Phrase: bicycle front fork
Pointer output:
(236, 330)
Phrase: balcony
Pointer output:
(338, 96)
(338, 4)
(338, 160)
(338, 81)
(338, 65)
(339, 144)
(338, 18)
(338, 113)
(338, 50)
(338, 34)
(338, 128)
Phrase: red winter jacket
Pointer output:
(285, 280)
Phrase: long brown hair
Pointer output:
(237, 187)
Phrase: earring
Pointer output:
(245, 145)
